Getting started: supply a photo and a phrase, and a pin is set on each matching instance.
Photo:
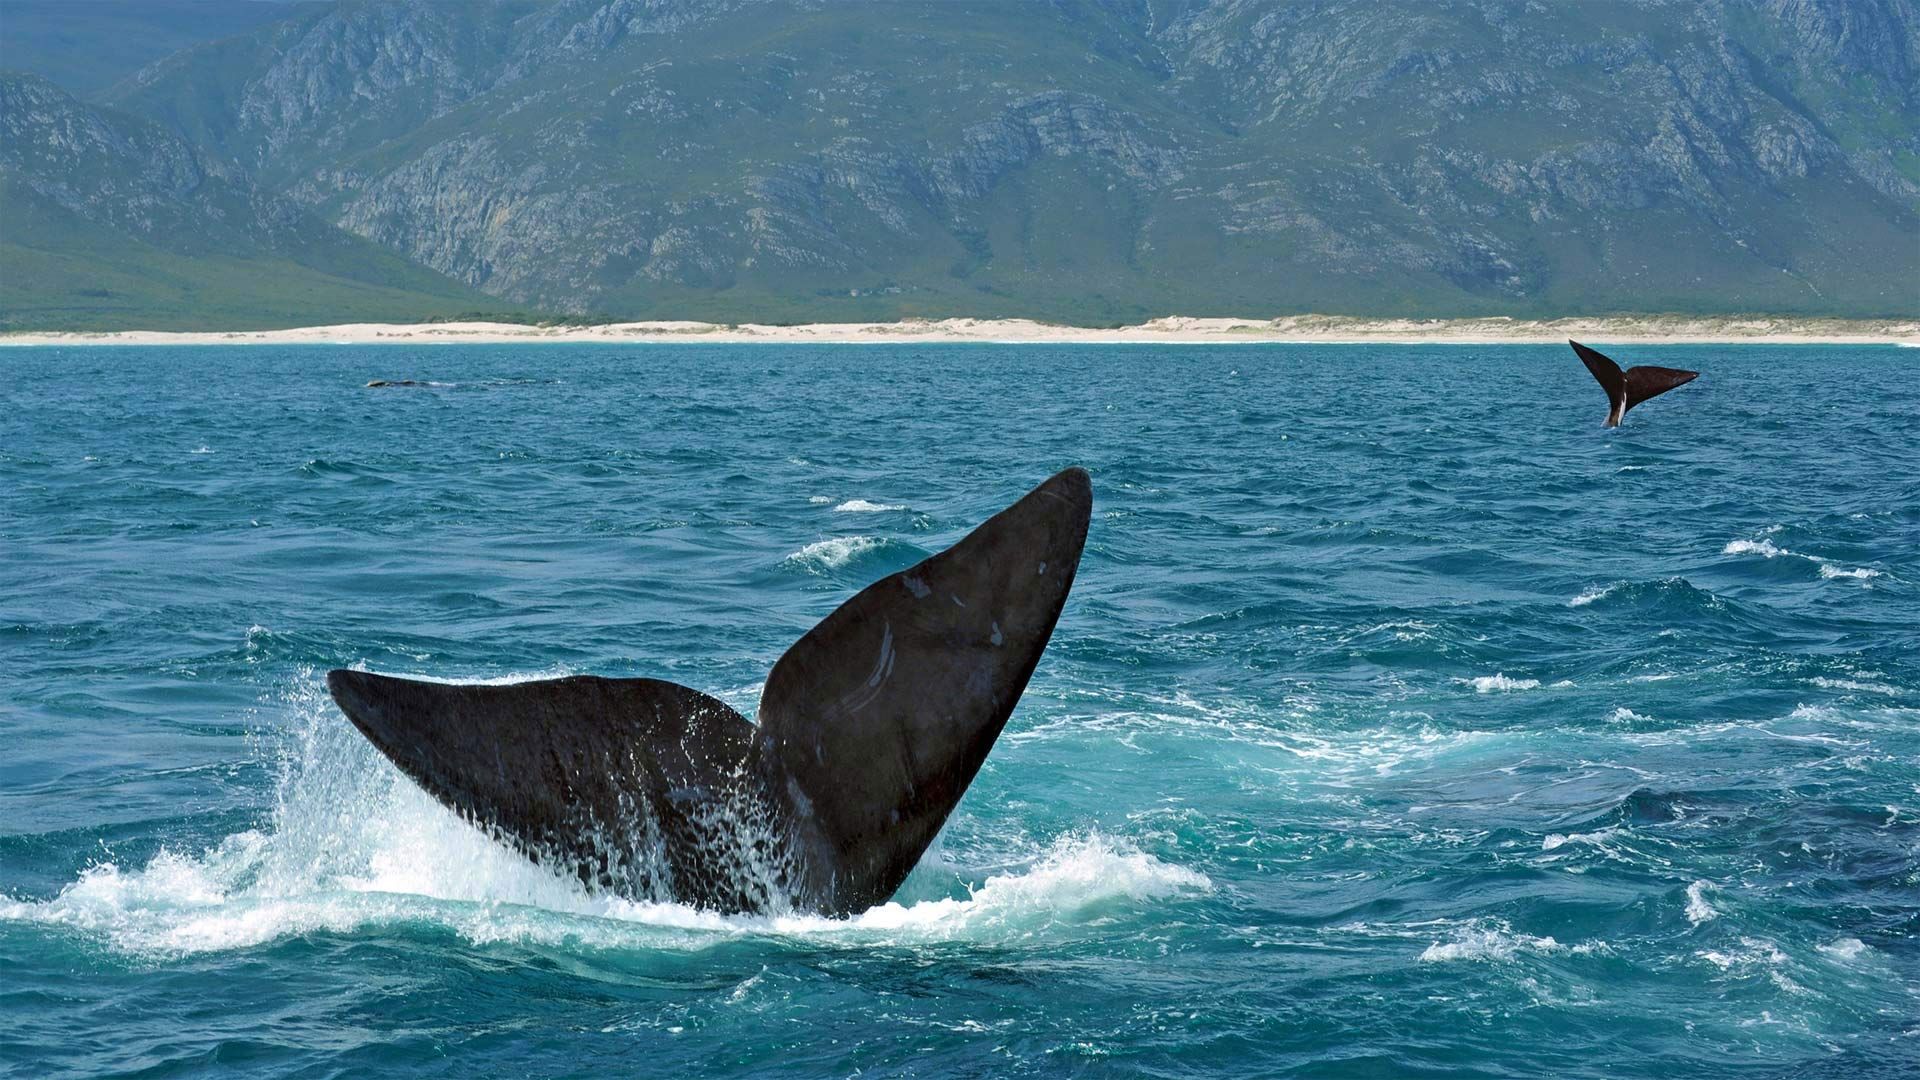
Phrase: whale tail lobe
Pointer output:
(877, 719)
(870, 729)
(1628, 388)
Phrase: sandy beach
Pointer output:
(1173, 330)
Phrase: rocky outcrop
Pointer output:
(110, 170)
(95, 196)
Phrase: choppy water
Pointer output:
(1392, 728)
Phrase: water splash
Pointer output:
(351, 845)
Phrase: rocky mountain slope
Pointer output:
(85, 46)
(1091, 161)
(109, 218)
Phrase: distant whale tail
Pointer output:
(1628, 388)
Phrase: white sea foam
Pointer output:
(819, 500)
(1400, 629)
(1755, 957)
(1751, 953)
(1854, 684)
(1828, 570)
(203, 450)
(1488, 684)
(1141, 721)
(1596, 593)
(1769, 549)
(236, 896)
(1496, 941)
(1846, 948)
(557, 671)
(1597, 838)
(862, 506)
(835, 552)
(352, 845)
(1698, 910)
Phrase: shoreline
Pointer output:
(1172, 330)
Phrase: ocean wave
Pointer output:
(1495, 940)
(1675, 595)
(835, 552)
(1856, 685)
(1828, 570)
(1138, 721)
(1598, 593)
(1754, 957)
(1394, 630)
(1499, 683)
(1767, 549)
(862, 506)
(1698, 910)
(1845, 949)
(1599, 838)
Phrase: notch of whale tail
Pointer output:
(1628, 388)
(870, 729)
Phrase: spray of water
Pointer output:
(350, 845)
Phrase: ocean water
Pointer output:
(1403, 721)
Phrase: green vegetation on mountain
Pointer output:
(112, 222)
(1080, 161)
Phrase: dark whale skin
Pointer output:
(1628, 388)
(871, 727)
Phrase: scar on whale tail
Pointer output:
(1631, 387)
(870, 728)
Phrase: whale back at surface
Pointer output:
(870, 729)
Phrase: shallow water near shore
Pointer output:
(1403, 721)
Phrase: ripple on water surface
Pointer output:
(1387, 732)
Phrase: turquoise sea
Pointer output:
(1403, 720)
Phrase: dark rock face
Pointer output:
(133, 176)
(104, 168)
(1092, 161)
(104, 210)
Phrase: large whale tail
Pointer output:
(1628, 388)
(870, 729)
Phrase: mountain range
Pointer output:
(1085, 161)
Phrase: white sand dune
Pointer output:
(1172, 330)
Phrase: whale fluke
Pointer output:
(1631, 387)
(607, 778)
(870, 729)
